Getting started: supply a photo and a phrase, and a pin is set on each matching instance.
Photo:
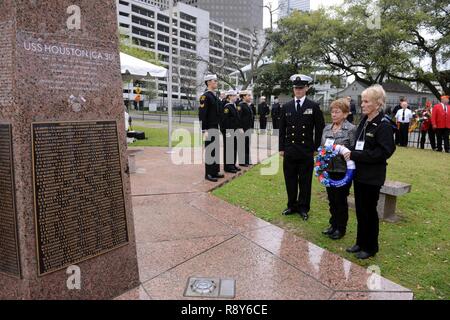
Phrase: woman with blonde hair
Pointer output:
(373, 146)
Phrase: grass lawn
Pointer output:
(158, 137)
(414, 252)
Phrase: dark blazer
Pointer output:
(379, 146)
(275, 112)
(246, 116)
(263, 109)
(230, 117)
(301, 132)
(209, 111)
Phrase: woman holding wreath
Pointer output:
(340, 132)
(374, 145)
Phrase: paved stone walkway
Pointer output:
(184, 231)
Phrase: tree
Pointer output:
(345, 40)
(273, 79)
(258, 48)
(147, 83)
(150, 88)
(427, 36)
(127, 47)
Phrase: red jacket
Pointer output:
(425, 116)
(440, 119)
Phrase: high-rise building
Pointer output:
(198, 43)
(248, 14)
(237, 14)
(286, 7)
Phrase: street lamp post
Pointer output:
(169, 82)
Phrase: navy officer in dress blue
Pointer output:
(209, 115)
(301, 127)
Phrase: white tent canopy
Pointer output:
(140, 67)
(264, 61)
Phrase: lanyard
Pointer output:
(363, 132)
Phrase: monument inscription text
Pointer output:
(68, 67)
(79, 198)
(9, 253)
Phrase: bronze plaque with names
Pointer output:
(9, 250)
(78, 190)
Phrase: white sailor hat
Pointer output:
(210, 77)
(300, 80)
(230, 93)
(244, 92)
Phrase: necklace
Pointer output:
(336, 128)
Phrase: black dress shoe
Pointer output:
(219, 175)
(288, 212)
(211, 178)
(304, 215)
(353, 249)
(328, 231)
(336, 235)
(230, 170)
(243, 165)
(364, 255)
(237, 168)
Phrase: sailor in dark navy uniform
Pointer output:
(275, 114)
(209, 115)
(263, 112)
(229, 126)
(301, 127)
(246, 117)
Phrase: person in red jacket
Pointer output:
(426, 127)
(440, 120)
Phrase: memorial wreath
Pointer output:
(323, 158)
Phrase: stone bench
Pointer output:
(388, 199)
(131, 153)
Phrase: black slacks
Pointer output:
(337, 199)
(366, 200)
(262, 122)
(298, 177)
(275, 123)
(229, 155)
(212, 154)
(246, 137)
(404, 127)
(397, 137)
(442, 136)
(431, 136)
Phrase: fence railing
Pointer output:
(188, 116)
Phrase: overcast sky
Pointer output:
(314, 5)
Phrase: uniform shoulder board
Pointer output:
(389, 121)
(386, 119)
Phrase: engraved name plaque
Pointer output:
(9, 253)
(78, 191)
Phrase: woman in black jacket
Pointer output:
(374, 145)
